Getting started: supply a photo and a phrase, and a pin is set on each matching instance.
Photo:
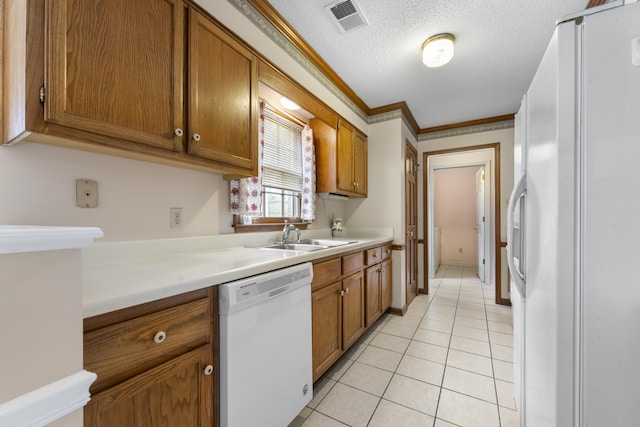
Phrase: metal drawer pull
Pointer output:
(208, 370)
(159, 337)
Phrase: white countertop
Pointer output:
(32, 238)
(119, 275)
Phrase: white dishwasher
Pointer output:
(265, 348)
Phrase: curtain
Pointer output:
(246, 193)
(308, 205)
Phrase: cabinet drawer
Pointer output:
(373, 256)
(385, 252)
(120, 351)
(324, 272)
(353, 262)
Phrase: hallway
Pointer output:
(447, 362)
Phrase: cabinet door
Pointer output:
(344, 158)
(223, 104)
(115, 68)
(385, 285)
(177, 393)
(352, 309)
(360, 163)
(373, 294)
(326, 307)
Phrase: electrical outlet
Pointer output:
(175, 220)
(86, 193)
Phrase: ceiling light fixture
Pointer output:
(438, 50)
(289, 104)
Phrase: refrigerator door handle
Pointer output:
(515, 248)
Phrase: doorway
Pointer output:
(466, 156)
(458, 210)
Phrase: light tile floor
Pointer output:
(447, 362)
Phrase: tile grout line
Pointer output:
(431, 299)
(448, 349)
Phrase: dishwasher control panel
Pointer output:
(246, 292)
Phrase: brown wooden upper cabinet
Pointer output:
(223, 87)
(341, 159)
(151, 79)
(114, 75)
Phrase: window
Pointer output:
(282, 167)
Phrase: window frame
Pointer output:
(272, 223)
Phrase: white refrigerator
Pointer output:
(574, 227)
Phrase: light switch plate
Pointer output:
(86, 193)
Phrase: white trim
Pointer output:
(48, 403)
(29, 238)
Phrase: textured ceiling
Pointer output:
(499, 44)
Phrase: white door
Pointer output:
(480, 220)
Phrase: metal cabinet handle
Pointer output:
(159, 337)
(196, 137)
(208, 370)
(179, 132)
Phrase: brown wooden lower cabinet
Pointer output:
(157, 363)
(386, 292)
(374, 307)
(379, 291)
(352, 308)
(326, 309)
(176, 393)
(349, 293)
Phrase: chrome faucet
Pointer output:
(286, 230)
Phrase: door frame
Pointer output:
(495, 147)
(483, 266)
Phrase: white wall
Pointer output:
(41, 318)
(455, 213)
(37, 187)
(385, 196)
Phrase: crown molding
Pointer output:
(404, 111)
(267, 11)
(330, 78)
(469, 127)
(469, 123)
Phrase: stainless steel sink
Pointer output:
(307, 245)
(295, 246)
(326, 242)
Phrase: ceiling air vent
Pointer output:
(347, 15)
